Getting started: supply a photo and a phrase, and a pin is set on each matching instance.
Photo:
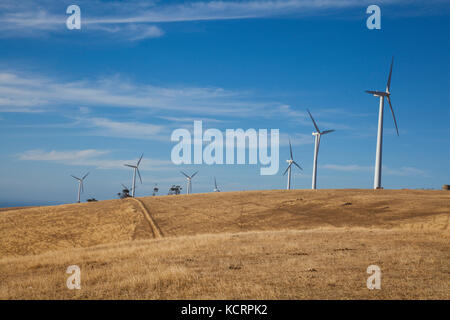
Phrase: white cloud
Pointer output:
(191, 119)
(137, 130)
(35, 93)
(405, 171)
(84, 110)
(131, 32)
(29, 18)
(72, 155)
(301, 116)
(91, 158)
(347, 168)
(145, 32)
(402, 171)
(297, 139)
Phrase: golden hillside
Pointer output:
(234, 245)
(42, 229)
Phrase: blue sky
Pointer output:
(73, 101)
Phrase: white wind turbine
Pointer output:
(80, 185)
(317, 134)
(135, 169)
(288, 169)
(216, 189)
(382, 95)
(189, 184)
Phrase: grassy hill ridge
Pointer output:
(273, 244)
(41, 229)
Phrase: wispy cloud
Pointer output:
(136, 20)
(405, 171)
(72, 155)
(35, 93)
(347, 167)
(131, 32)
(191, 119)
(401, 171)
(120, 129)
(91, 158)
(297, 139)
(301, 116)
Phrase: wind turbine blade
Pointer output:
(314, 122)
(327, 131)
(215, 183)
(124, 186)
(297, 165)
(290, 149)
(139, 160)
(388, 86)
(85, 176)
(75, 177)
(194, 174)
(184, 174)
(82, 187)
(393, 115)
(287, 169)
(377, 93)
(139, 174)
(129, 165)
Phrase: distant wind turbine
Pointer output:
(382, 95)
(288, 169)
(80, 185)
(317, 134)
(216, 189)
(189, 183)
(135, 169)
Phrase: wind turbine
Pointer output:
(382, 95)
(317, 135)
(80, 185)
(288, 169)
(136, 169)
(216, 189)
(189, 184)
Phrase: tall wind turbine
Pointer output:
(216, 189)
(288, 169)
(189, 184)
(80, 185)
(382, 95)
(317, 135)
(135, 169)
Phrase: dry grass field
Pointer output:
(235, 245)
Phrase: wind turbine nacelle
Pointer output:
(315, 133)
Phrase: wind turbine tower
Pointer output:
(216, 189)
(189, 181)
(80, 185)
(288, 169)
(135, 169)
(378, 159)
(317, 135)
